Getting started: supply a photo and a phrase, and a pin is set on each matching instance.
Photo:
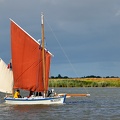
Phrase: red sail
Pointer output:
(27, 61)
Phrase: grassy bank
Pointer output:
(85, 82)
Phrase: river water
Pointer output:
(103, 104)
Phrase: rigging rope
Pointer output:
(63, 51)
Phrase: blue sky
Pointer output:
(87, 30)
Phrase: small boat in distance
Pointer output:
(30, 66)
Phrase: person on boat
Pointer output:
(39, 94)
(10, 65)
(31, 94)
(48, 93)
(51, 93)
(17, 94)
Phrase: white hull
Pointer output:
(35, 100)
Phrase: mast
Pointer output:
(43, 53)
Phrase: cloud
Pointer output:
(88, 30)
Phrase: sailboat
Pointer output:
(31, 67)
(6, 78)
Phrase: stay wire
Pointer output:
(63, 51)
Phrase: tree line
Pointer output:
(90, 76)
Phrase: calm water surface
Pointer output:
(103, 104)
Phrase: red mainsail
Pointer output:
(27, 61)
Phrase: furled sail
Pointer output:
(6, 78)
(27, 61)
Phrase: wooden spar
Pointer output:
(43, 54)
(75, 95)
(78, 95)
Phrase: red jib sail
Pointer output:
(27, 61)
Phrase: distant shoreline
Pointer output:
(85, 82)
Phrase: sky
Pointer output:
(83, 35)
